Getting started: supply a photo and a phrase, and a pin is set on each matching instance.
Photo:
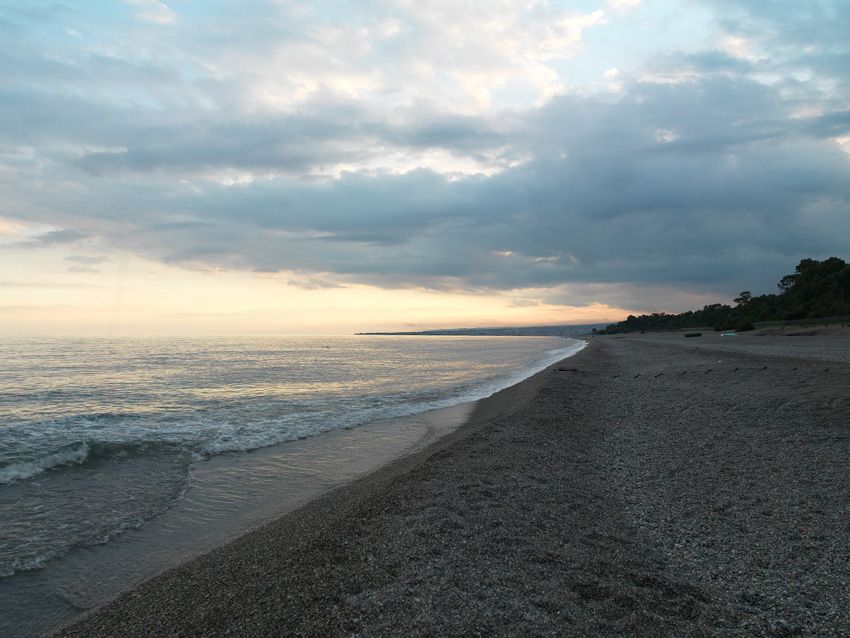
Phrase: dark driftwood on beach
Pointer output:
(614, 500)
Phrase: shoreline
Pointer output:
(230, 495)
(643, 489)
(265, 484)
(476, 413)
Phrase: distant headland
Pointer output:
(815, 290)
(520, 331)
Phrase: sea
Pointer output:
(121, 457)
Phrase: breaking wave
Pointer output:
(21, 470)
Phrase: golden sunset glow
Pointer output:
(127, 295)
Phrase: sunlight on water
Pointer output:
(98, 436)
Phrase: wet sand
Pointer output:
(646, 486)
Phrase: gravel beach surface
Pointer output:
(638, 488)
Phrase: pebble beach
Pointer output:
(645, 486)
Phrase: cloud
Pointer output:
(46, 284)
(86, 260)
(444, 149)
(733, 194)
(153, 11)
(8, 228)
(308, 281)
(623, 5)
(61, 236)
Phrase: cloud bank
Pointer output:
(439, 145)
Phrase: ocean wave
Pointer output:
(51, 520)
(70, 455)
(80, 453)
(212, 430)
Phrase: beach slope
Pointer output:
(640, 487)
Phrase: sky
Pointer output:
(273, 166)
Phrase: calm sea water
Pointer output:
(99, 436)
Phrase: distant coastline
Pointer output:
(815, 291)
(519, 331)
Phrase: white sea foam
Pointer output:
(267, 432)
(247, 424)
(27, 469)
(145, 417)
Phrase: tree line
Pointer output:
(816, 289)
